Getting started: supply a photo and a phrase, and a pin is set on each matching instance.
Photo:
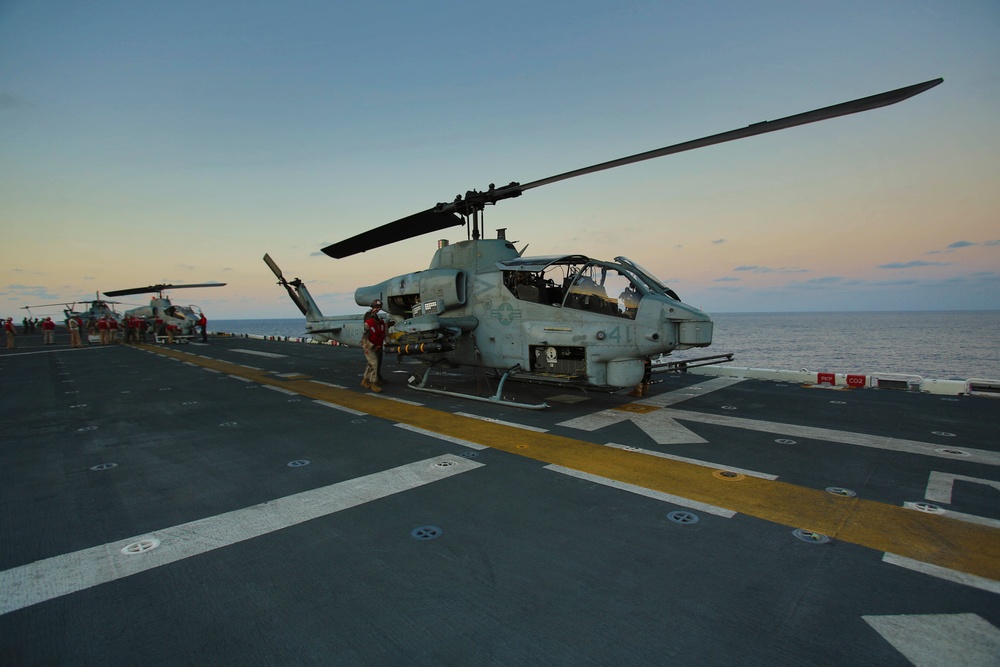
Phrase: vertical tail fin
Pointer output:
(299, 295)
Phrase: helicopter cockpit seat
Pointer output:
(527, 293)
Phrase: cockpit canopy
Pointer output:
(577, 281)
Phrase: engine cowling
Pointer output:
(436, 290)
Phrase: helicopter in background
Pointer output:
(560, 319)
(185, 318)
(87, 311)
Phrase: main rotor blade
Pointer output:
(158, 288)
(843, 109)
(444, 215)
(424, 222)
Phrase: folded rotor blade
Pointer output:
(843, 109)
(274, 267)
(424, 222)
(296, 299)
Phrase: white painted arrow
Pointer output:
(658, 425)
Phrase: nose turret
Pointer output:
(674, 325)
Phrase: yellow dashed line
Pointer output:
(934, 539)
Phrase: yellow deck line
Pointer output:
(935, 539)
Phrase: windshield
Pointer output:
(576, 282)
(651, 281)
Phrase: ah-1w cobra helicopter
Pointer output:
(85, 310)
(185, 318)
(559, 318)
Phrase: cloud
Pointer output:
(29, 293)
(727, 279)
(718, 241)
(815, 283)
(962, 244)
(767, 269)
(12, 101)
(911, 265)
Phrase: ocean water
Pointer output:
(939, 344)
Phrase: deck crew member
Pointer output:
(371, 343)
(73, 325)
(11, 330)
(48, 331)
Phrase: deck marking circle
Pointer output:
(839, 402)
(140, 546)
(127, 391)
(165, 388)
(294, 400)
(358, 421)
(78, 405)
(952, 452)
(948, 398)
(444, 464)
(71, 392)
(424, 533)
(630, 448)
(840, 491)
(810, 536)
(86, 428)
(298, 463)
(929, 508)
(785, 441)
(104, 466)
(943, 434)
(683, 518)
(189, 403)
(469, 455)
(729, 407)
(728, 475)
(228, 424)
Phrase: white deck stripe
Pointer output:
(270, 355)
(982, 583)
(843, 437)
(440, 436)
(502, 422)
(641, 491)
(697, 462)
(342, 408)
(61, 575)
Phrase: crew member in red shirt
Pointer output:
(48, 331)
(102, 330)
(11, 330)
(371, 343)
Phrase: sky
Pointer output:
(145, 143)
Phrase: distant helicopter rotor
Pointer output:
(466, 210)
(158, 289)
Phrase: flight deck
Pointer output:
(247, 502)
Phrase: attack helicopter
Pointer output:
(185, 318)
(87, 311)
(561, 319)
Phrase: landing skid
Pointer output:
(418, 382)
